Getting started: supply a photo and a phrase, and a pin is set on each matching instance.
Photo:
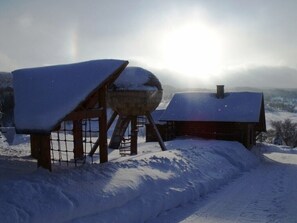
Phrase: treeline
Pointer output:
(281, 106)
(6, 106)
(282, 133)
(280, 99)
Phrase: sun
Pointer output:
(193, 51)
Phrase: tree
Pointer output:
(287, 131)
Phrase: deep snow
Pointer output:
(267, 193)
(128, 189)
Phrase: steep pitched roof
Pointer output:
(45, 95)
(206, 107)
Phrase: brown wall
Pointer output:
(167, 132)
(242, 132)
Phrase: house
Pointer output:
(237, 116)
(50, 99)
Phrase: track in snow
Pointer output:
(265, 194)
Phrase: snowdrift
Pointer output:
(131, 190)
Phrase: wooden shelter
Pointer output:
(133, 96)
(236, 116)
(56, 105)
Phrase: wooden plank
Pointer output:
(160, 140)
(85, 114)
(34, 142)
(110, 121)
(103, 126)
(78, 149)
(134, 135)
(112, 118)
(44, 158)
(119, 132)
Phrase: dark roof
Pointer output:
(206, 107)
(45, 95)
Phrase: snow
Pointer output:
(137, 78)
(267, 193)
(195, 180)
(45, 95)
(128, 189)
(197, 106)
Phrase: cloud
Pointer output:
(39, 32)
(261, 77)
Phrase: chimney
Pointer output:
(220, 91)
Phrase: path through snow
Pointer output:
(265, 194)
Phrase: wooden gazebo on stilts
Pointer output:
(134, 95)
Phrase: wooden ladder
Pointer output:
(125, 146)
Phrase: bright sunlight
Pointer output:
(193, 50)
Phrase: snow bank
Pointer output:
(133, 190)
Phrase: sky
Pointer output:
(185, 43)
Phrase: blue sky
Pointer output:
(188, 42)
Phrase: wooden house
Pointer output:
(236, 116)
(50, 99)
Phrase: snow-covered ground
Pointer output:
(194, 181)
(267, 193)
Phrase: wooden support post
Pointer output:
(134, 135)
(160, 140)
(41, 143)
(34, 141)
(103, 126)
(78, 149)
(96, 144)
(111, 120)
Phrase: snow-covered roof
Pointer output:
(45, 95)
(196, 106)
(137, 78)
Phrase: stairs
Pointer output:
(125, 146)
(119, 140)
(119, 132)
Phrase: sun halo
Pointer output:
(194, 51)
